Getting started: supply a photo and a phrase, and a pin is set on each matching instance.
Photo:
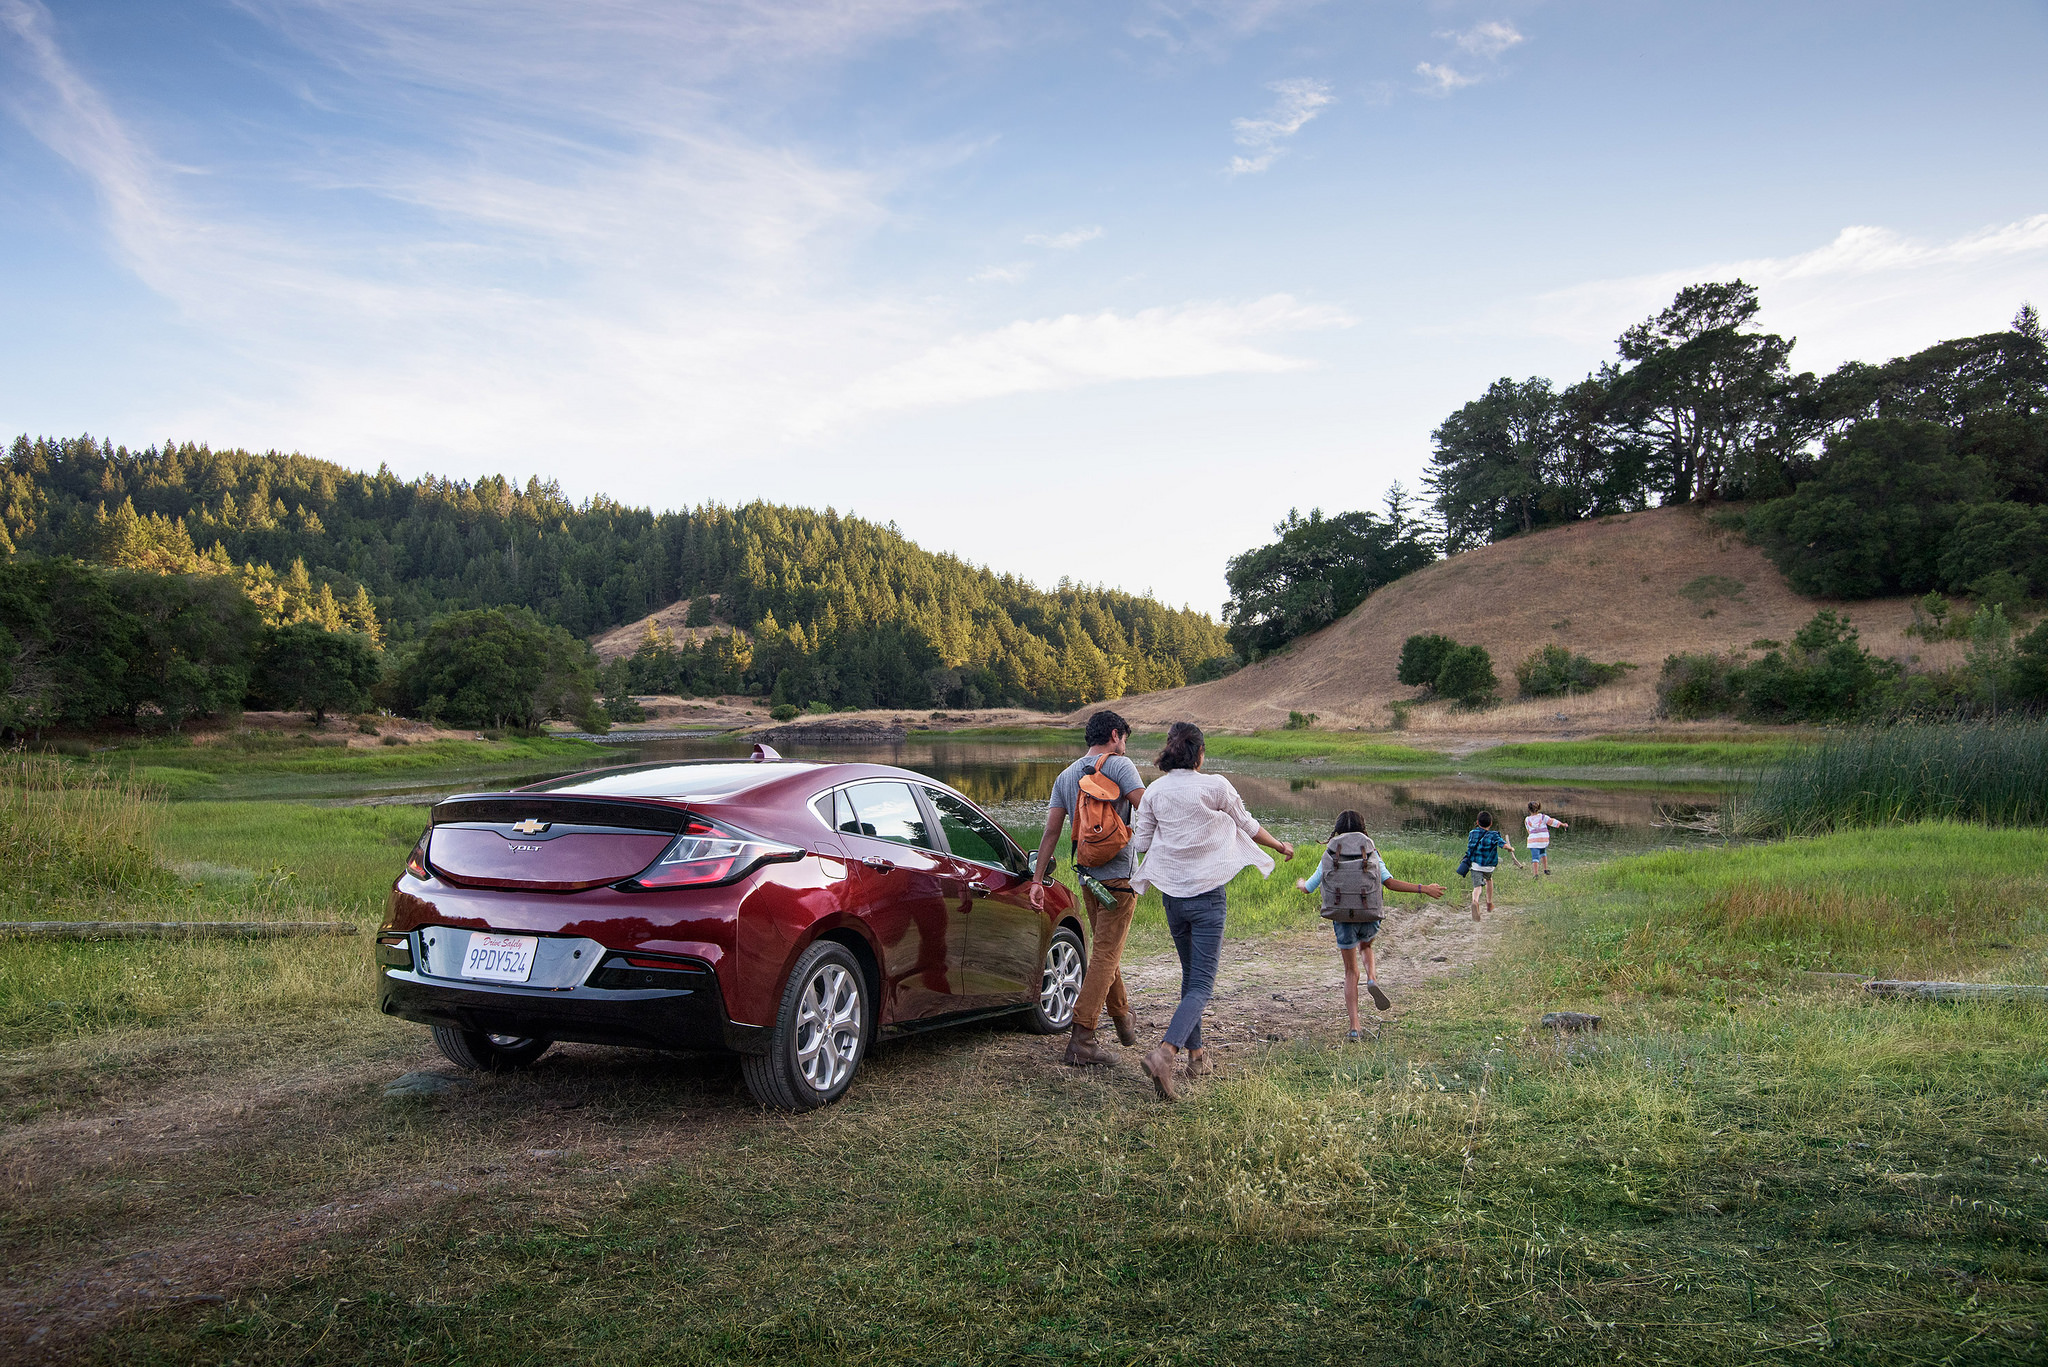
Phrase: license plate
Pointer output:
(500, 958)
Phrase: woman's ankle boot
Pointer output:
(1081, 1050)
(1126, 1029)
(1158, 1064)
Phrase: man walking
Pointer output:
(1098, 792)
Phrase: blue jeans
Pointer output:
(1197, 926)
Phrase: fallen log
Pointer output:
(1958, 992)
(170, 930)
(1570, 1020)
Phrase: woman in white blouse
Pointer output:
(1195, 834)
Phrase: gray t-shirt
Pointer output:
(1066, 795)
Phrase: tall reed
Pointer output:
(70, 829)
(1995, 773)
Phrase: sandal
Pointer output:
(1379, 998)
(1353, 1036)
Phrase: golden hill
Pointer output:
(1635, 587)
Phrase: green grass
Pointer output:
(207, 861)
(1739, 1167)
(1970, 771)
(1648, 754)
(1335, 745)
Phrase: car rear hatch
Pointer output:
(547, 844)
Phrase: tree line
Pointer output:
(1925, 473)
(812, 607)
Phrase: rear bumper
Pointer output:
(693, 1018)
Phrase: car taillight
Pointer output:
(416, 862)
(705, 854)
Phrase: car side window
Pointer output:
(885, 811)
(970, 834)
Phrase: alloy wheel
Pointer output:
(828, 1027)
(1059, 986)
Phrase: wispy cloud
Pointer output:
(1441, 79)
(1210, 27)
(1083, 349)
(1066, 241)
(1299, 101)
(1488, 40)
(1869, 293)
(1483, 42)
(1011, 274)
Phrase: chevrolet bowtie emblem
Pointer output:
(531, 826)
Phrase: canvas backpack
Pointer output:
(1350, 892)
(1099, 833)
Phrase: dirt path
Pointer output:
(163, 1187)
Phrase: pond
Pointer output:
(1297, 800)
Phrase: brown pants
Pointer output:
(1104, 985)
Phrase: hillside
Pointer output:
(836, 608)
(1635, 587)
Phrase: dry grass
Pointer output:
(1625, 588)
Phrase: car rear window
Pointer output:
(702, 782)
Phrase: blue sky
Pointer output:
(1097, 290)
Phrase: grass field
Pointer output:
(1740, 1166)
(1747, 1162)
(269, 768)
(1745, 755)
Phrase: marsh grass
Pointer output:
(73, 827)
(1995, 772)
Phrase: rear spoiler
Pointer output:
(503, 808)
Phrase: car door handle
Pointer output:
(877, 863)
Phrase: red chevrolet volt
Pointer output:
(789, 912)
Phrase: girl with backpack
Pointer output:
(1352, 877)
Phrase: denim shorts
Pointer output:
(1537, 852)
(1352, 934)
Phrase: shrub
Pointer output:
(1300, 721)
(1214, 668)
(1466, 674)
(1825, 676)
(783, 711)
(2030, 667)
(820, 709)
(1554, 671)
(1697, 685)
(1422, 659)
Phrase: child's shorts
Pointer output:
(1481, 877)
(1538, 853)
(1352, 934)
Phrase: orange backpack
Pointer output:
(1099, 833)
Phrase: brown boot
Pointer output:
(1126, 1030)
(1158, 1065)
(1081, 1050)
(1200, 1064)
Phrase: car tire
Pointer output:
(821, 1033)
(480, 1052)
(1059, 984)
